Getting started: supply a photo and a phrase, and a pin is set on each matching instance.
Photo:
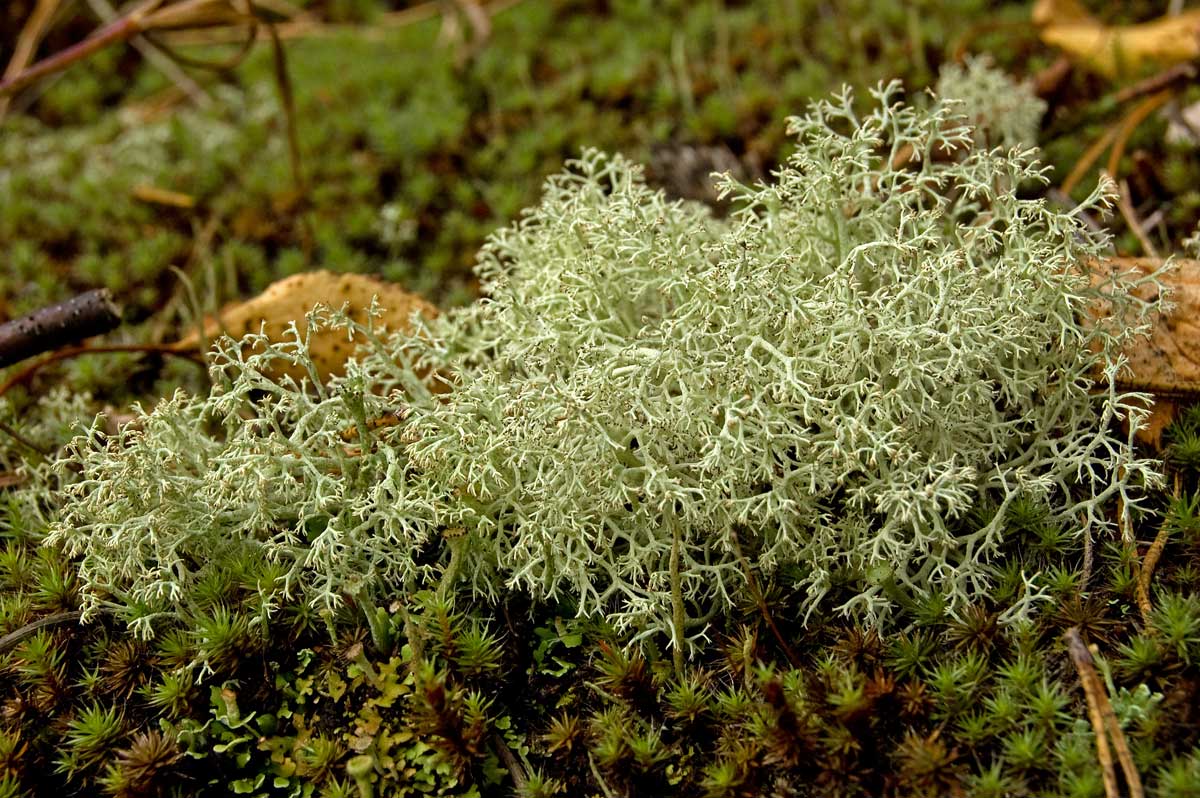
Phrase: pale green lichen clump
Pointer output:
(843, 386)
(1005, 113)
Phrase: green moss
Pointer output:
(389, 118)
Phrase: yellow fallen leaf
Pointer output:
(1117, 50)
(292, 298)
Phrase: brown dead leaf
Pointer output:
(292, 298)
(1167, 364)
(1116, 50)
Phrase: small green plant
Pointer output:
(89, 738)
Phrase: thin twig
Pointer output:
(198, 14)
(8, 479)
(120, 30)
(1131, 219)
(1179, 73)
(1049, 80)
(11, 639)
(286, 10)
(520, 781)
(1117, 136)
(762, 603)
(1081, 167)
(288, 100)
(156, 57)
(481, 29)
(29, 371)
(144, 19)
(1130, 123)
(21, 439)
(1104, 721)
(1093, 691)
(1153, 554)
(599, 777)
(1132, 780)
(307, 29)
(27, 42)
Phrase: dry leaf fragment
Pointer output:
(162, 196)
(292, 298)
(1167, 364)
(1115, 50)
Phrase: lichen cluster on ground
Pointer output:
(412, 154)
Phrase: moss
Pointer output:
(391, 119)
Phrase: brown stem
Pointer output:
(1092, 691)
(27, 43)
(1153, 554)
(1089, 157)
(1104, 721)
(49, 328)
(762, 603)
(8, 479)
(124, 28)
(287, 99)
(33, 368)
(520, 781)
(21, 439)
(11, 639)
(1167, 79)
(156, 57)
(1130, 123)
(1135, 224)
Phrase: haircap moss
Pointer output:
(844, 385)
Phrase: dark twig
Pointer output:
(1135, 224)
(1093, 691)
(1048, 81)
(1180, 73)
(1130, 123)
(11, 639)
(520, 781)
(151, 16)
(49, 328)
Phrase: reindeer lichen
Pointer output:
(843, 386)
(1005, 113)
